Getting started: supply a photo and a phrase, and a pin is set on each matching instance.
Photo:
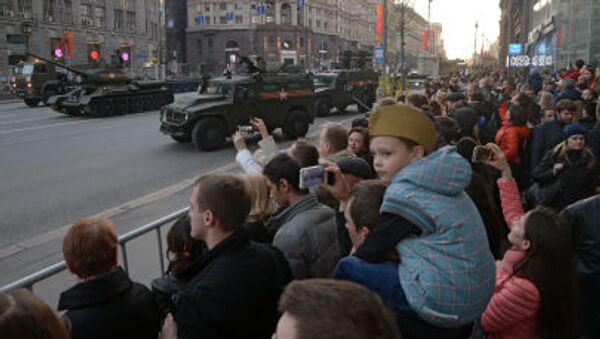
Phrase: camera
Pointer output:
(482, 154)
(315, 176)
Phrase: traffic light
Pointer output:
(94, 55)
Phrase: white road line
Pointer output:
(42, 127)
(24, 120)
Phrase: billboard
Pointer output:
(515, 49)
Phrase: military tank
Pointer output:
(102, 92)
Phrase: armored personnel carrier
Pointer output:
(352, 83)
(102, 92)
(206, 119)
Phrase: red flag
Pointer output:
(379, 26)
(70, 44)
(425, 40)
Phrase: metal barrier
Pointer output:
(32, 279)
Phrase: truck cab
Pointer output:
(341, 88)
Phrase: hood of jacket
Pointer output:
(99, 290)
(444, 171)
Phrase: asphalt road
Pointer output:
(55, 169)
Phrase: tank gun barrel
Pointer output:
(71, 69)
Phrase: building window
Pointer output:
(301, 42)
(199, 47)
(131, 21)
(238, 6)
(239, 19)
(207, 8)
(222, 20)
(25, 10)
(100, 16)
(68, 11)
(286, 14)
(207, 20)
(85, 12)
(223, 6)
(318, 23)
(6, 9)
(49, 8)
(118, 21)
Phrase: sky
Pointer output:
(458, 19)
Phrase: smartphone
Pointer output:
(245, 129)
(482, 154)
(314, 176)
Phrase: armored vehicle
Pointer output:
(38, 80)
(104, 92)
(206, 119)
(344, 87)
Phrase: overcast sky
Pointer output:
(458, 23)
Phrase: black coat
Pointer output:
(236, 292)
(110, 306)
(584, 217)
(544, 138)
(576, 180)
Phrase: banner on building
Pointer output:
(425, 40)
(379, 27)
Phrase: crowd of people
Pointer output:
(472, 211)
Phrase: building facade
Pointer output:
(133, 27)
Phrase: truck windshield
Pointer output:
(217, 88)
(28, 69)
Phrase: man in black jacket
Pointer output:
(549, 134)
(236, 291)
(584, 217)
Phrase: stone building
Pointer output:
(131, 26)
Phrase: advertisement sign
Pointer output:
(379, 55)
(379, 27)
(534, 61)
(515, 49)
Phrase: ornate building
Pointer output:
(43, 26)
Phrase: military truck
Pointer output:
(206, 119)
(36, 81)
(340, 88)
(108, 91)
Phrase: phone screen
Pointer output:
(312, 176)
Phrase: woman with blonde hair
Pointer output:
(262, 209)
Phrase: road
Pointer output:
(56, 169)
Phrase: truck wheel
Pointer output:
(209, 134)
(322, 107)
(296, 125)
(184, 139)
(47, 94)
(32, 102)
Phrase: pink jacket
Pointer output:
(513, 309)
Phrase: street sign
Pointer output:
(515, 49)
(526, 61)
(379, 55)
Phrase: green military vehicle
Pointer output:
(206, 119)
(36, 81)
(344, 87)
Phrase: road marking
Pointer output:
(135, 203)
(42, 127)
(23, 120)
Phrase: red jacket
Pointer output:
(510, 138)
(513, 310)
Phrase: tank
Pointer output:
(102, 92)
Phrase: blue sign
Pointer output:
(229, 16)
(515, 49)
(379, 55)
(299, 3)
(261, 10)
(542, 48)
(170, 23)
(200, 20)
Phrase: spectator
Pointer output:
(549, 134)
(262, 208)
(569, 168)
(333, 143)
(305, 228)
(362, 210)
(588, 116)
(416, 101)
(105, 303)
(253, 163)
(361, 122)
(304, 152)
(546, 101)
(329, 309)
(512, 139)
(473, 93)
(235, 293)
(447, 130)
(584, 217)
(468, 128)
(358, 143)
(535, 281)
(547, 116)
(25, 316)
(594, 142)
(427, 287)
(183, 253)
(485, 88)
(569, 91)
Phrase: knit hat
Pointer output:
(356, 166)
(573, 129)
(406, 122)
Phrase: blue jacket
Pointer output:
(448, 272)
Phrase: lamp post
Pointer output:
(475, 45)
